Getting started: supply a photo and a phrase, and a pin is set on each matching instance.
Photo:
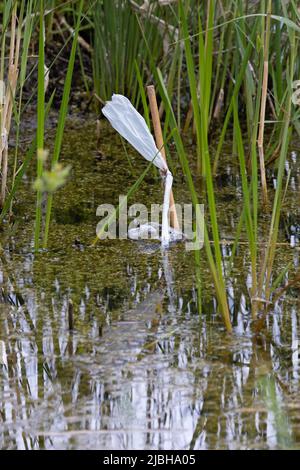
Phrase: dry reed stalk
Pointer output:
(160, 145)
(260, 141)
(188, 118)
(6, 116)
(81, 41)
(264, 96)
(219, 105)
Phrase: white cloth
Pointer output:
(126, 120)
(165, 234)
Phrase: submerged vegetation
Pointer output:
(226, 74)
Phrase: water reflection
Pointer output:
(142, 369)
(148, 364)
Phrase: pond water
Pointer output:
(148, 363)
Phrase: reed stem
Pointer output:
(160, 145)
(263, 107)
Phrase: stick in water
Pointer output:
(160, 145)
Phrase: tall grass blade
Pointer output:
(62, 118)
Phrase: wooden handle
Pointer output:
(160, 145)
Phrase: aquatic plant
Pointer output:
(40, 123)
(255, 98)
(18, 21)
(118, 47)
(227, 65)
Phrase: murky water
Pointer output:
(148, 364)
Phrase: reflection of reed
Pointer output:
(235, 403)
(156, 376)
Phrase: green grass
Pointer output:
(246, 65)
(118, 48)
(40, 125)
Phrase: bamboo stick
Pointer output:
(160, 145)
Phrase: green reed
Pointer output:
(62, 118)
(227, 65)
(252, 65)
(118, 48)
(40, 123)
